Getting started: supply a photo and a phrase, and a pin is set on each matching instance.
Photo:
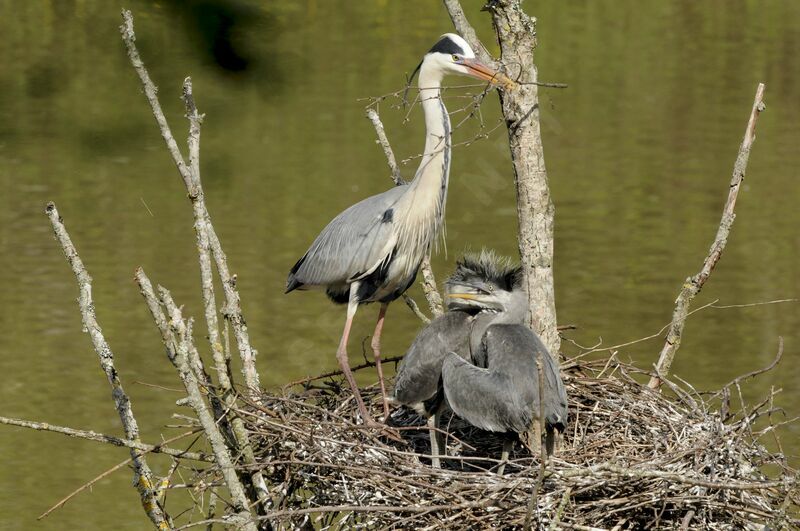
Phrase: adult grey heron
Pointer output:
(480, 360)
(371, 252)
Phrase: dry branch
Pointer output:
(108, 439)
(372, 114)
(516, 32)
(232, 310)
(694, 284)
(235, 433)
(143, 476)
(182, 354)
(160, 448)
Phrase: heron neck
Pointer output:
(427, 193)
(436, 158)
(515, 311)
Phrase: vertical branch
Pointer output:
(232, 309)
(428, 280)
(429, 287)
(181, 350)
(533, 503)
(143, 476)
(694, 284)
(203, 244)
(516, 32)
(235, 430)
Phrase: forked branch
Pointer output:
(207, 236)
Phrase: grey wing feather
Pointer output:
(483, 397)
(418, 376)
(352, 244)
(555, 395)
(513, 349)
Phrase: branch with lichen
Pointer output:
(143, 476)
(207, 236)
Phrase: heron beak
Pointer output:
(481, 71)
(467, 296)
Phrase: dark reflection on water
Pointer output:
(639, 151)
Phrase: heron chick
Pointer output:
(480, 359)
(371, 252)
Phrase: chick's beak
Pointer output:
(467, 296)
(481, 71)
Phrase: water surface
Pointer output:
(639, 152)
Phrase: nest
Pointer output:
(631, 458)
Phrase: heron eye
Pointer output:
(455, 58)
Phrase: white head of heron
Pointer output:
(453, 55)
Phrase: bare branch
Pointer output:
(183, 349)
(372, 114)
(516, 33)
(142, 473)
(411, 303)
(191, 178)
(694, 284)
(429, 287)
(108, 439)
(768, 368)
(235, 431)
(160, 448)
(465, 29)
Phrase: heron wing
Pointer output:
(513, 349)
(352, 245)
(483, 397)
(418, 376)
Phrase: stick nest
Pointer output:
(631, 458)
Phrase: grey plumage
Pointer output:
(458, 330)
(480, 358)
(418, 377)
(353, 246)
(503, 395)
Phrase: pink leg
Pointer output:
(376, 350)
(341, 355)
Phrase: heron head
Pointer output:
(484, 282)
(453, 55)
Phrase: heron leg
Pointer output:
(376, 351)
(551, 440)
(341, 354)
(508, 444)
(437, 444)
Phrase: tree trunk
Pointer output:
(516, 32)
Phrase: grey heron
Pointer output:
(371, 252)
(480, 360)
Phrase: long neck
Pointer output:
(435, 164)
(515, 310)
(427, 193)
